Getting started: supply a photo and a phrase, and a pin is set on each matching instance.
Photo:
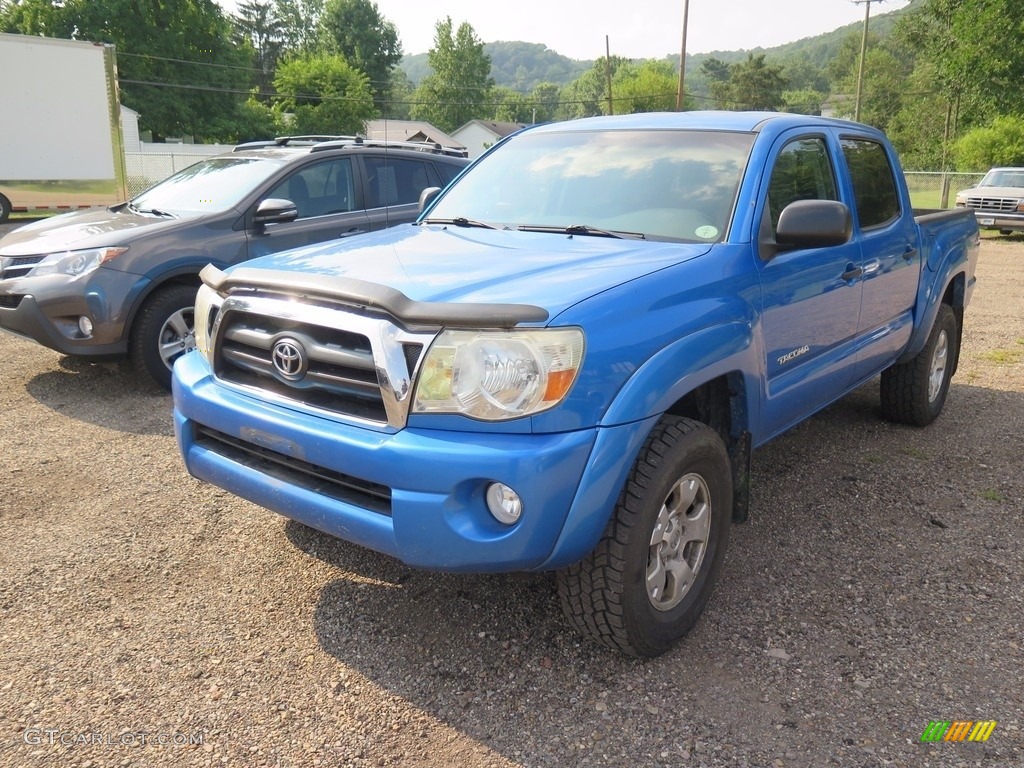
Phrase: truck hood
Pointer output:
(83, 229)
(1010, 192)
(434, 263)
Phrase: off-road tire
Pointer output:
(605, 596)
(157, 337)
(914, 392)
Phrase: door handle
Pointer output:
(852, 273)
(910, 254)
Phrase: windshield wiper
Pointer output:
(151, 211)
(582, 229)
(461, 221)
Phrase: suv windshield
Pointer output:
(210, 186)
(663, 185)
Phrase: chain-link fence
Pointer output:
(928, 189)
(144, 169)
(938, 190)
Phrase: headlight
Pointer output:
(206, 309)
(961, 200)
(75, 263)
(496, 375)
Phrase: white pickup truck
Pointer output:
(998, 202)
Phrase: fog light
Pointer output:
(85, 325)
(504, 503)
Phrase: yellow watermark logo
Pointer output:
(958, 730)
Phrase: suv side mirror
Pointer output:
(814, 224)
(275, 211)
(427, 197)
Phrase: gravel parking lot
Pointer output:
(147, 619)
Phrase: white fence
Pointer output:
(146, 168)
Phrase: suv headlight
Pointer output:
(497, 375)
(207, 306)
(75, 263)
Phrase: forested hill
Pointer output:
(522, 66)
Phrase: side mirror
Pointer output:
(814, 224)
(427, 197)
(275, 211)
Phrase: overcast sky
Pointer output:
(636, 28)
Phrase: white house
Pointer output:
(478, 135)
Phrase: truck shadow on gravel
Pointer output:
(104, 394)
(853, 523)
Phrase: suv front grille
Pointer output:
(324, 357)
(998, 204)
(17, 266)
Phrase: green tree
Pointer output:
(510, 106)
(368, 41)
(715, 73)
(647, 87)
(999, 143)
(805, 101)
(300, 24)
(256, 23)
(323, 94)
(457, 89)
(177, 65)
(587, 95)
(545, 100)
(753, 84)
(397, 101)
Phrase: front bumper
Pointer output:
(436, 515)
(46, 310)
(999, 220)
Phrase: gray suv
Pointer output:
(120, 282)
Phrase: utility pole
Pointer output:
(608, 73)
(863, 52)
(680, 93)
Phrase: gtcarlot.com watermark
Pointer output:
(56, 736)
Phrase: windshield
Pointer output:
(1004, 177)
(662, 185)
(210, 186)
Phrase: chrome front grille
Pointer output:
(996, 204)
(17, 266)
(331, 359)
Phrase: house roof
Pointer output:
(499, 129)
(409, 130)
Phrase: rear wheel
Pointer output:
(163, 332)
(914, 392)
(5, 208)
(649, 578)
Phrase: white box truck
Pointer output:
(60, 134)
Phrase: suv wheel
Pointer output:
(163, 332)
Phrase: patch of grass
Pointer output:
(873, 459)
(1004, 356)
(991, 495)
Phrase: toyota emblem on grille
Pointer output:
(289, 358)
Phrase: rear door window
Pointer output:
(874, 187)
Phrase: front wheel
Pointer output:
(163, 332)
(5, 209)
(649, 578)
(914, 392)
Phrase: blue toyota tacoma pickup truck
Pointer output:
(566, 363)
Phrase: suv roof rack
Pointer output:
(304, 140)
(419, 146)
(322, 143)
